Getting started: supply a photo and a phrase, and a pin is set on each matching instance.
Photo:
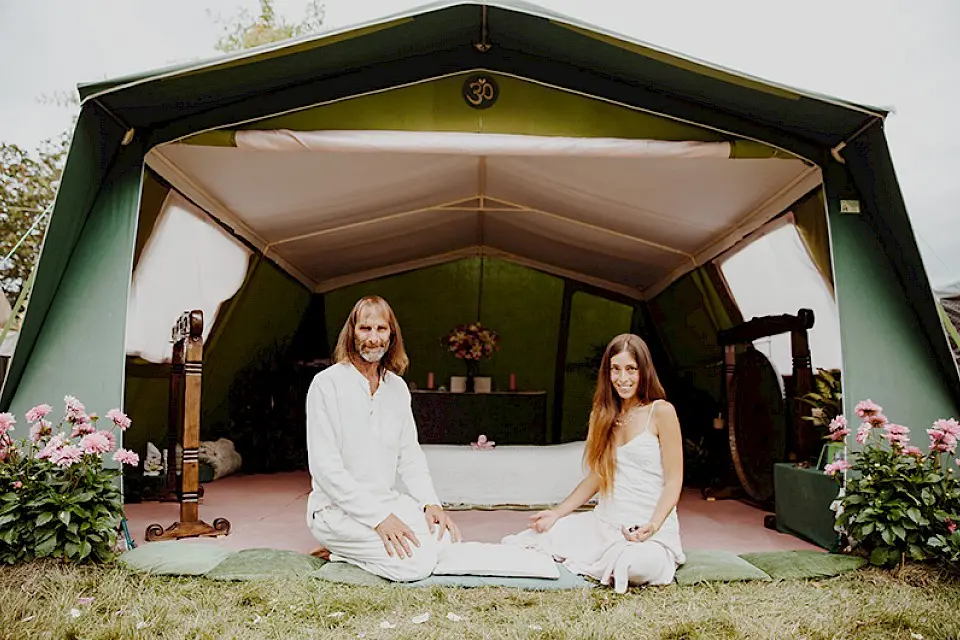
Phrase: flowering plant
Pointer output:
(899, 501)
(472, 341)
(56, 497)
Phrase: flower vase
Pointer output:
(472, 369)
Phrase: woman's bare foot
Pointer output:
(321, 552)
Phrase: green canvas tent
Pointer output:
(593, 190)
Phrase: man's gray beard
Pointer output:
(373, 356)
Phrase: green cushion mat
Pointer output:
(717, 566)
(176, 557)
(800, 565)
(264, 564)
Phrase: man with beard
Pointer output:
(361, 437)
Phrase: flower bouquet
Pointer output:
(471, 343)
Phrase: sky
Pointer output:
(897, 54)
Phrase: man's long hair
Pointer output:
(395, 359)
(600, 451)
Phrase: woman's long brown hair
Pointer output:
(600, 452)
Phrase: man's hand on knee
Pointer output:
(440, 522)
(397, 536)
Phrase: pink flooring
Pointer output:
(270, 511)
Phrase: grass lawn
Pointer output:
(49, 600)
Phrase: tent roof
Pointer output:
(340, 207)
(524, 39)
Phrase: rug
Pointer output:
(209, 560)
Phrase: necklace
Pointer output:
(624, 417)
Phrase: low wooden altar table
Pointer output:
(516, 417)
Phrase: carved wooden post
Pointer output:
(185, 403)
(808, 442)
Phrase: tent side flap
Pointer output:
(79, 296)
(888, 355)
(79, 349)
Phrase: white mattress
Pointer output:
(509, 475)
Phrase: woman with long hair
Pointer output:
(634, 461)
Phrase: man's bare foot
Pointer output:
(321, 552)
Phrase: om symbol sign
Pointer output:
(480, 91)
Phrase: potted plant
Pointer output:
(826, 404)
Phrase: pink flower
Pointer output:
(912, 450)
(53, 445)
(862, 432)
(951, 526)
(39, 430)
(876, 419)
(838, 429)
(6, 422)
(950, 426)
(17, 484)
(834, 468)
(119, 418)
(942, 441)
(838, 435)
(75, 408)
(867, 408)
(123, 456)
(66, 456)
(82, 427)
(38, 412)
(95, 443)
(110, 439)
(897, 434)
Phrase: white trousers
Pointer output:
(588, 546)
(350, 541)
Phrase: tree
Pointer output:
(244, 32)
(28, 183)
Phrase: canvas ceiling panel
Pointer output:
(683, 204)
(283, 195)
(576, 248)
(383, 245)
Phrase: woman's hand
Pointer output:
(639, 533)
(439, 521)
(542, 521)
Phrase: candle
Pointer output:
(513, 382)
(430, 380)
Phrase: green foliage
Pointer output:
(900, 505)
(70, 514)
(245, 32)
(826, 399)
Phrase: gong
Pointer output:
(758, 429)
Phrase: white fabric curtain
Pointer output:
(474, 144)
(774, 275)
(188, 263)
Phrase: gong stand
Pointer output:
(805, 437)
(185, 386)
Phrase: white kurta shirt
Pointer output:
(358, 445)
